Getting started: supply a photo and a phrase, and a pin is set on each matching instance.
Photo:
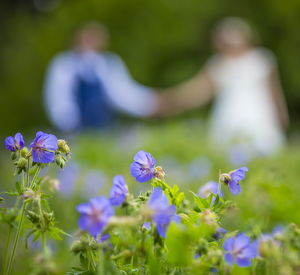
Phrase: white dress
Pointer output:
(244, 110)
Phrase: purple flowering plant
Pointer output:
(31, 205)
(162, 230)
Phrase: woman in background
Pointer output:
(249, 106)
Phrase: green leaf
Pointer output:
(18, 188)
(201, 203)
(10, 193)
(179, 241)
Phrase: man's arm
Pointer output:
(189, 95)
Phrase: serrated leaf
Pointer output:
(201, 203)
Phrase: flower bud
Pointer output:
(60, 161)
(33, 217)
(24, 152)
(13, 155)
(208, 217)
(77, 247)
(159, 172)
(22, 165)
(63, 146)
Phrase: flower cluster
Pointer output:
(43, 147)
(160, 224)
(14, 143)
(31, 199)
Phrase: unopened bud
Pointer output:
(13, 155)
(33, 217)
(159, 172)
(208, 217)
(63, 146)
(24, 152)
(22, 165)
(60, 161)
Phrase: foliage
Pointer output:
(195, 244)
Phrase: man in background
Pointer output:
(87, 87)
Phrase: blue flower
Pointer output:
(233, 178)
(274, 237)
(44, 147)
(14, 143)
(239, 250)
(142, 169)
(103, 238)
(162, 212)
(220, 233)
(208, 188)
(147, 226)
(95, 215)
(119, 191)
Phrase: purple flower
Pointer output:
(147, 226)
(162, 212)
(276, 233)
(233, 178)
(142, 169)
(103, 238)
(119, 191)
(220, 233)
(95, 214)
(44, 147)
(208, 188)
(239, 250)
(14, 143)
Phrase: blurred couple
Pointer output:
(88, 87)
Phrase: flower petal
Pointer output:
(228, 244)
(229, 258)
(234, 187)
(243, 262)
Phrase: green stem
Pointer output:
(27, 178)
(6, 250)
(20, 225)
(35, 176)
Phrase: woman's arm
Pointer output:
(188, 95)
(279, 100)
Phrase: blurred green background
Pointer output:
(162, 41)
